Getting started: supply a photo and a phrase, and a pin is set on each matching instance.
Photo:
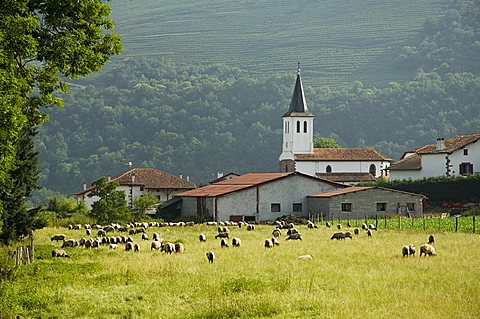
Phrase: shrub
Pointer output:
(7, 263)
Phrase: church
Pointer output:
(341, 165)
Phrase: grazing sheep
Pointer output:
(431, 240)
(58, 237)
(70, 243)
(128, 246)
(88, 243)
(369, 232)
(250, 227)
(339, 226)
(113, 246)
(222, 235)
(70, 227)
(349, 225)
(210, 256)
(311, 225)
(136, 248)
(291, 225)
(364, 226)
(372, 226)
(268, 243)
(179, 248)
(101, 233)
(155, 236)
(427, 249)
(236, 242)
(88, 232)
(338, 236)
(81, 242)
(96, 243)
(292, 231)
(168, 248)
(59, 253)
(131, 232)
(223, 243)
(155, 245)
(328, 224)
(275, 241)
(144, 236)
(296, 236)
(304, 257)
(408, 250)
(356, 231)
(129, 239)
(276, 232)
(202, 237)
(77, 226)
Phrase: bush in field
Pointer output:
(111, 206)
(66, 206)
(7, 264)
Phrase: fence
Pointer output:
(399, 222)
(25, 254)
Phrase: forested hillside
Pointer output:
(336, 41)
(199, 119)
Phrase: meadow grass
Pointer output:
(351, 278)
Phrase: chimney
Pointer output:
(84, 186)
(440, 144)
(219, 174)
(109, 178)
(181, 176)
(188, 178)
(133, 178)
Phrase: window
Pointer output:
(286, 127)
(141, 188)
(373, 170)
(297, 207)
(466, 169)
(381, 207)
(298, 126)
(304, 126)
(346, 207)
(411, 207)
(275, 207)
(328, 169)
(465, 151)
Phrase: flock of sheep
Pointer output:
(104, 237)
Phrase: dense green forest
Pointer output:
(199, 119)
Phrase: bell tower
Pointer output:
(297, 128)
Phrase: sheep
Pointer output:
(408, 250)
(223, 243)
(339, 226)
(222, 235)
(58, 237)
(155, 236)
(431, 239)
(136, 248)
(77, 226)
(348, 235)
(275, 241)
(427, 249)
(292, 231)
(128, 246)
(236, 242)
(304, 257)
(291, 225)
(364, 226)
(155, 245)
(88, 232)
(348, 224)
(59, 253)
(372, 226)
(168, 248)
(328, 224)
(276, 232)
(311, 225)
(296, 236)
(369, 232)
(81, 242)
(113, 246)
(131, 232)
(338, 236)
(96, 243)
(179, 248)
(144, 236)
(101, 233)
(202, 237)
(70, 227)
(210, 256)
(250, 227)
(268, 243)
(356, 231)
(70, 243)
(88, 243)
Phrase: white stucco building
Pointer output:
(345, 165)
(456, 156)
(137, 181)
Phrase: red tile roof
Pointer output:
(149, 178)
(347, 177)
(412, 162)
(451, 144)
(342, 154)
(354, 189)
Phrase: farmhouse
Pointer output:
(137, 181)
(345, 165)
(355, 202)
(459, 155)
(253, 197)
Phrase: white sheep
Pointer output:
(223, 243)
(58, 237)
(427, 249)
(202, 237)
(276, 232)
(408, 250)
(144, 236)
(250, 227)
(431, 240)
(296, 236)
(268, 243)
(113, 246)
(210, 256)
(275, 241)
(369, 232)
(303, 257)
(311, 225)
(70, 243)
(128, 246)
(59, 253)
(168, 248)
(179, 248)
(155, 236)
(339, 226)
(236, 242)
(156, 245)
(136, 248)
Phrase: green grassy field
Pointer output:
(336, 41)
(363, 277)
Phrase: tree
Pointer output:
(324, 142)
(142, 203)
(42, 43)
(111, 206)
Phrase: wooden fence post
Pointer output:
(385, 221)
(456, 223)
(376, 221)
(473, 222)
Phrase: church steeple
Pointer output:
(298, 104)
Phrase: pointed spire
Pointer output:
(298, 104)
